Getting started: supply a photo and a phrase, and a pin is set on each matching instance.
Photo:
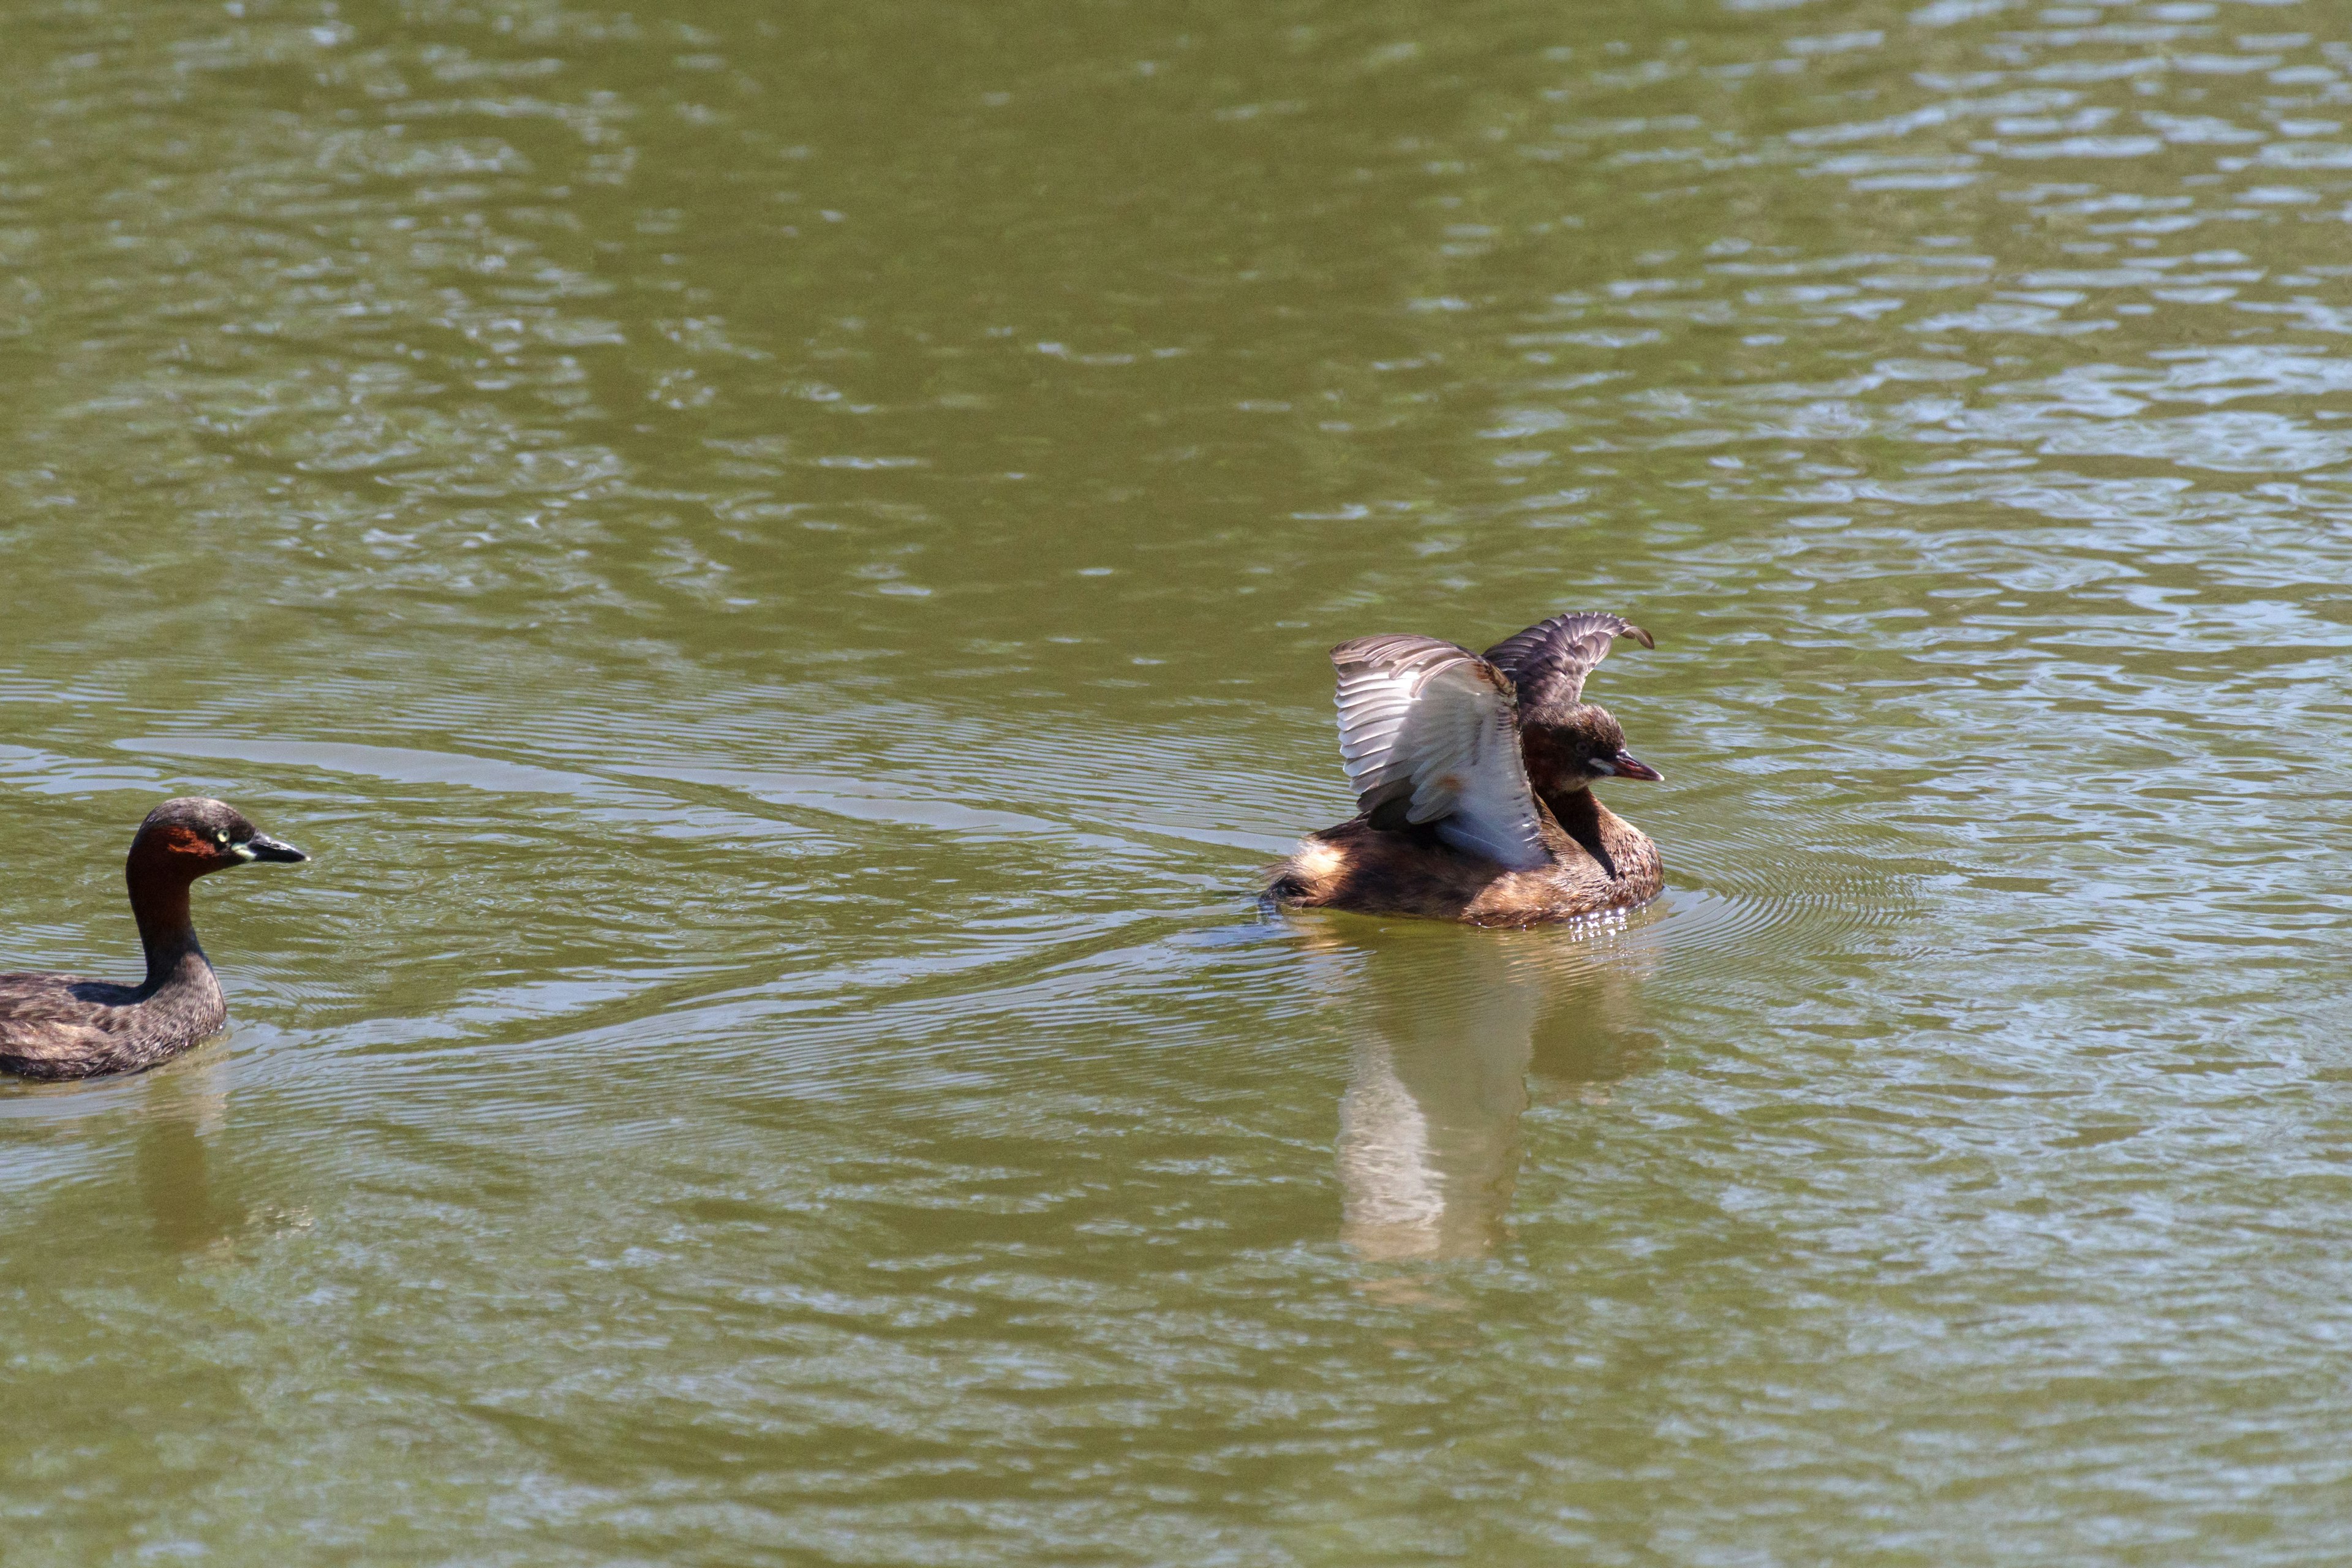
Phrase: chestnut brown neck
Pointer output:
(1578, 814)
(159, 902)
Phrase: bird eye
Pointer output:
(221, 836)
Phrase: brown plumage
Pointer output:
(1475, 779)
(1548, 661)
(63, 1026)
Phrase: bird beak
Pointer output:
(261, 846)
(1626, 765)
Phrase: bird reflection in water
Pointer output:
(184, 1109)
(189, 1210)
(1450, 1026)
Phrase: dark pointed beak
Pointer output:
(1626, 765)
(261, 846)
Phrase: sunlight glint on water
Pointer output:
(781, 561)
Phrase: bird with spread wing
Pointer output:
(1473, 775)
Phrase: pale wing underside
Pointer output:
(1436, 726)
(1548, 661)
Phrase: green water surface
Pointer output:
(780, 557)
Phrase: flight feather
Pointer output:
(1435, 727)
(1548, 661)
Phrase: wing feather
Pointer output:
(1435, 726)
(1548, 661)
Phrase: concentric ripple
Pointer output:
(782, 561)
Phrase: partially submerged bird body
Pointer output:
(1474, 777)
(64, 1025)
(1363, 868)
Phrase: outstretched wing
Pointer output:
(1436, 727)
(1548, 661)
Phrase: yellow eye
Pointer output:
(221, 836)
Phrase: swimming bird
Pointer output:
(62, 1026)
(1474, 774)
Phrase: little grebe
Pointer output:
(1475, 778)
(61, 1026)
